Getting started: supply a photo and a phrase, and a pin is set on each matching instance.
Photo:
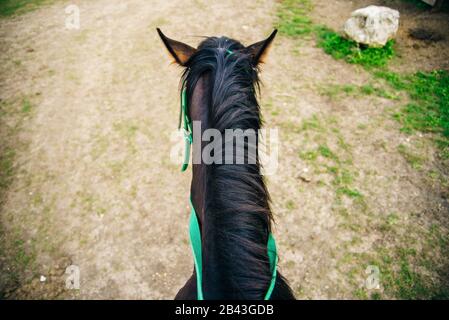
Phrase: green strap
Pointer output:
(195, 243)
(273, 257)
(187, 127)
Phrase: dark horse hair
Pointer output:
(236, 203)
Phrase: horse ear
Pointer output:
(259, 50)
(181, 52)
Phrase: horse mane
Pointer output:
(237, 203)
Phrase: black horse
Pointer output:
(231, 200)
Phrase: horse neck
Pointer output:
(233, 208)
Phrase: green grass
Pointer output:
(335, 161)
(400, 275)
(18, 255)
(390, 222)
(410, 269)
(18, 260)
(293, 18)
(308, 155)
(428, 110)
(12, 114)
(352, 193)
(327, 153)
(13, 7)
(7, 156)
(313, 123)
(335, 90)
(370, 89)
(415, 160)
(341, 48)
(403, 278)
(26, 106)
(290, 205)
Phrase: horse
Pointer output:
(230, 203)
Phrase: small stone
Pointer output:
(372, 26)
(304, 178)
(42, 279)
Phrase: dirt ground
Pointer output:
(93, 185)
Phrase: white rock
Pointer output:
(43, 279)
(372, 25)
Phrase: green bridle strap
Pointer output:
(195, 243)
(273, 258)
(187, 127)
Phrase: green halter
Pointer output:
(195, 242)
(194, 228)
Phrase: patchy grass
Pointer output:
(327, 153)
(335, 161)
(12, 115)
(26, 105)
(13, 7)
(409, 269)
(7, 156)
(19, 261)
(350, 51)
(294, 21)
(405, 272)
(352, 193)
(16, 255)
(313, 123)
(415, 160)
(370, 89)
(428, 110)
(290, 205)
(90, 203)
(308, 155)
(10, 121)
(335, 90)
(126, 129)
(389, 224)
(293, 18)
(412, 260)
